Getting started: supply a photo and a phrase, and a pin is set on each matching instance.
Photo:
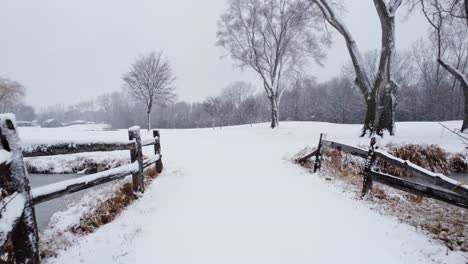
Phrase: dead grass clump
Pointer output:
(110, 208)
(458, 163)
(379, 193)
(106, 211)
(151, 172)
(430, 157)
(342, 164)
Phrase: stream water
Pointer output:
(44, 211)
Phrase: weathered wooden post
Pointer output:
(370, 161)
(24, 235)
(136, 154)
(157, 151)
(318, 155)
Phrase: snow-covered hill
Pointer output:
(231, 195)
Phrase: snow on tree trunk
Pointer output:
(380, 114)
(370, 115)
(384, 89)
(464, 84)
(274, 104)
(465, 116)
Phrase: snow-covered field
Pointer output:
(232, 195)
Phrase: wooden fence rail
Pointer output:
(417, 180)
(17, 200)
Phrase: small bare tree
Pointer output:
(249, 108)
(274, 38)
(236, 93)
(212, 106)
(150, 81)
(379, 94)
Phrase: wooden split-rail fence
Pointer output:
(417, 180)
(17, 216)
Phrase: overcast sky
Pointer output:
(70, 51)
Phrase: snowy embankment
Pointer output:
(37, 138)
(232, 195)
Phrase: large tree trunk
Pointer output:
(148, 118)
(380, 112)
(382, 99)
(387, 118)
(274, 111)
(384, 118)
(370, 116)
(465, 116)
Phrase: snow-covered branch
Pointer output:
(456, 73)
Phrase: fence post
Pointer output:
(370, 160)
(157, 151)
(25, 235)
(136, 154)
(318, 155)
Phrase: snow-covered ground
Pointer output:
(232, 195)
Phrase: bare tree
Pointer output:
(249, 108)
(235, 94)
(272, 37)
(455, 9)
(10, 94)
(379, 95)
(446, 18)
(212, 106)
(150, 81)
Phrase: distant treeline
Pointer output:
(422, 97)
(426, 94)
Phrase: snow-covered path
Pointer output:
(232, 196)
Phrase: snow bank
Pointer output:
(34, 137)
(78, 163)
(59, 233)
(63, 185)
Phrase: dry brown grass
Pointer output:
(112, 207)
(443, 222)
(430, 157)
(151, 172)
(106, 211)
(458, 163)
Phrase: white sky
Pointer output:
(69, 51)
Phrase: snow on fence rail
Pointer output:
(419, 181)
(17, 200)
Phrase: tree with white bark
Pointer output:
(379, 94)
(150, 81)
(275, 38)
